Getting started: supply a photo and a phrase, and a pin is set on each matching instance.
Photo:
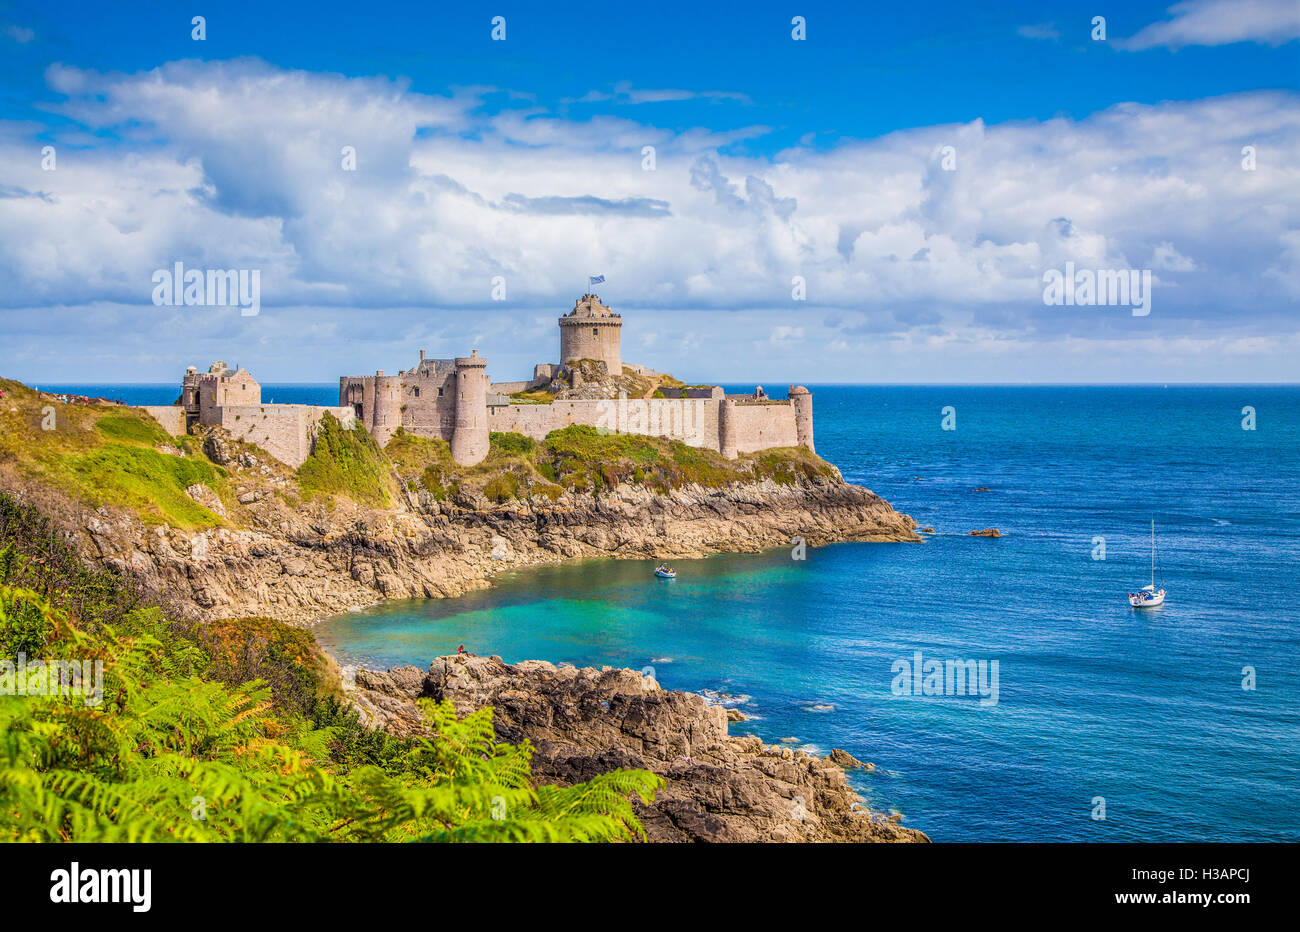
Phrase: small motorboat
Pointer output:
(664, 571)
(1149, 596)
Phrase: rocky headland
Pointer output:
(215, 529)
(220, 529)
(583, 722)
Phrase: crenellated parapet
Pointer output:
(454, 400)
(592, 331)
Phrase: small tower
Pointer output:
(727, 428)
(469, 441)
(386, 408)
(803, 422)
(591, 331)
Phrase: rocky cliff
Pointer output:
(583, 722)
(298, 561)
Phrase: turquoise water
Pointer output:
(1143, 708)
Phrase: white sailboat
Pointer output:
(1149, 596)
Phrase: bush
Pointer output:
(511, 443)
(346, 462)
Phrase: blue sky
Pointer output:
(775, 158)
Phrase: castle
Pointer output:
(456, 401)
(232, 399)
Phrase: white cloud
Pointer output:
(1166, 258)
(237, 165)
(1220, 22)
(20, 34)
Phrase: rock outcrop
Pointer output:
(297, 562)
(583, 722)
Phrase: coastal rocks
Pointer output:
(583, 722)
(298, 561)
(848, 761)
(204, 496)
(987, 532)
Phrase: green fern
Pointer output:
(177, 752)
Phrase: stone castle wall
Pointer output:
(692, 421)
(171, 417)
(287, 432)
(232, 399)
(760, 426)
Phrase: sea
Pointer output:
(1082, 718)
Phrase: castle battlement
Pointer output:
(454, 400)
(232, 399)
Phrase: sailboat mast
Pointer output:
(1153, 554)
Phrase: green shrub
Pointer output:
(346, 462)
(502, 488)
(511, 443)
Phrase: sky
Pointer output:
(796, 192)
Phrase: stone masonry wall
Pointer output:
(692, 421)
(284, 431)
(761, 426)
(171, 417)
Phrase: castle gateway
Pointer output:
(454, 400)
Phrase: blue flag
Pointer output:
(595, 279)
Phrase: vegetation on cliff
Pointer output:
(235, 732)
(582, 458)
(119, 456)
(346, 462)
(101, 455)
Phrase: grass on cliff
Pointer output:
(510, 470)
(346, 462)
(235, 732)
(107, 455)
(585, 459)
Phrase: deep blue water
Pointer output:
(1143, 708)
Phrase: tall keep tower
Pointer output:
(469, 441)
(591, 331)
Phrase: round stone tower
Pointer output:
(727, 429)
(469, 441)
(386, 410)
(591, 331)
(803, 424)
